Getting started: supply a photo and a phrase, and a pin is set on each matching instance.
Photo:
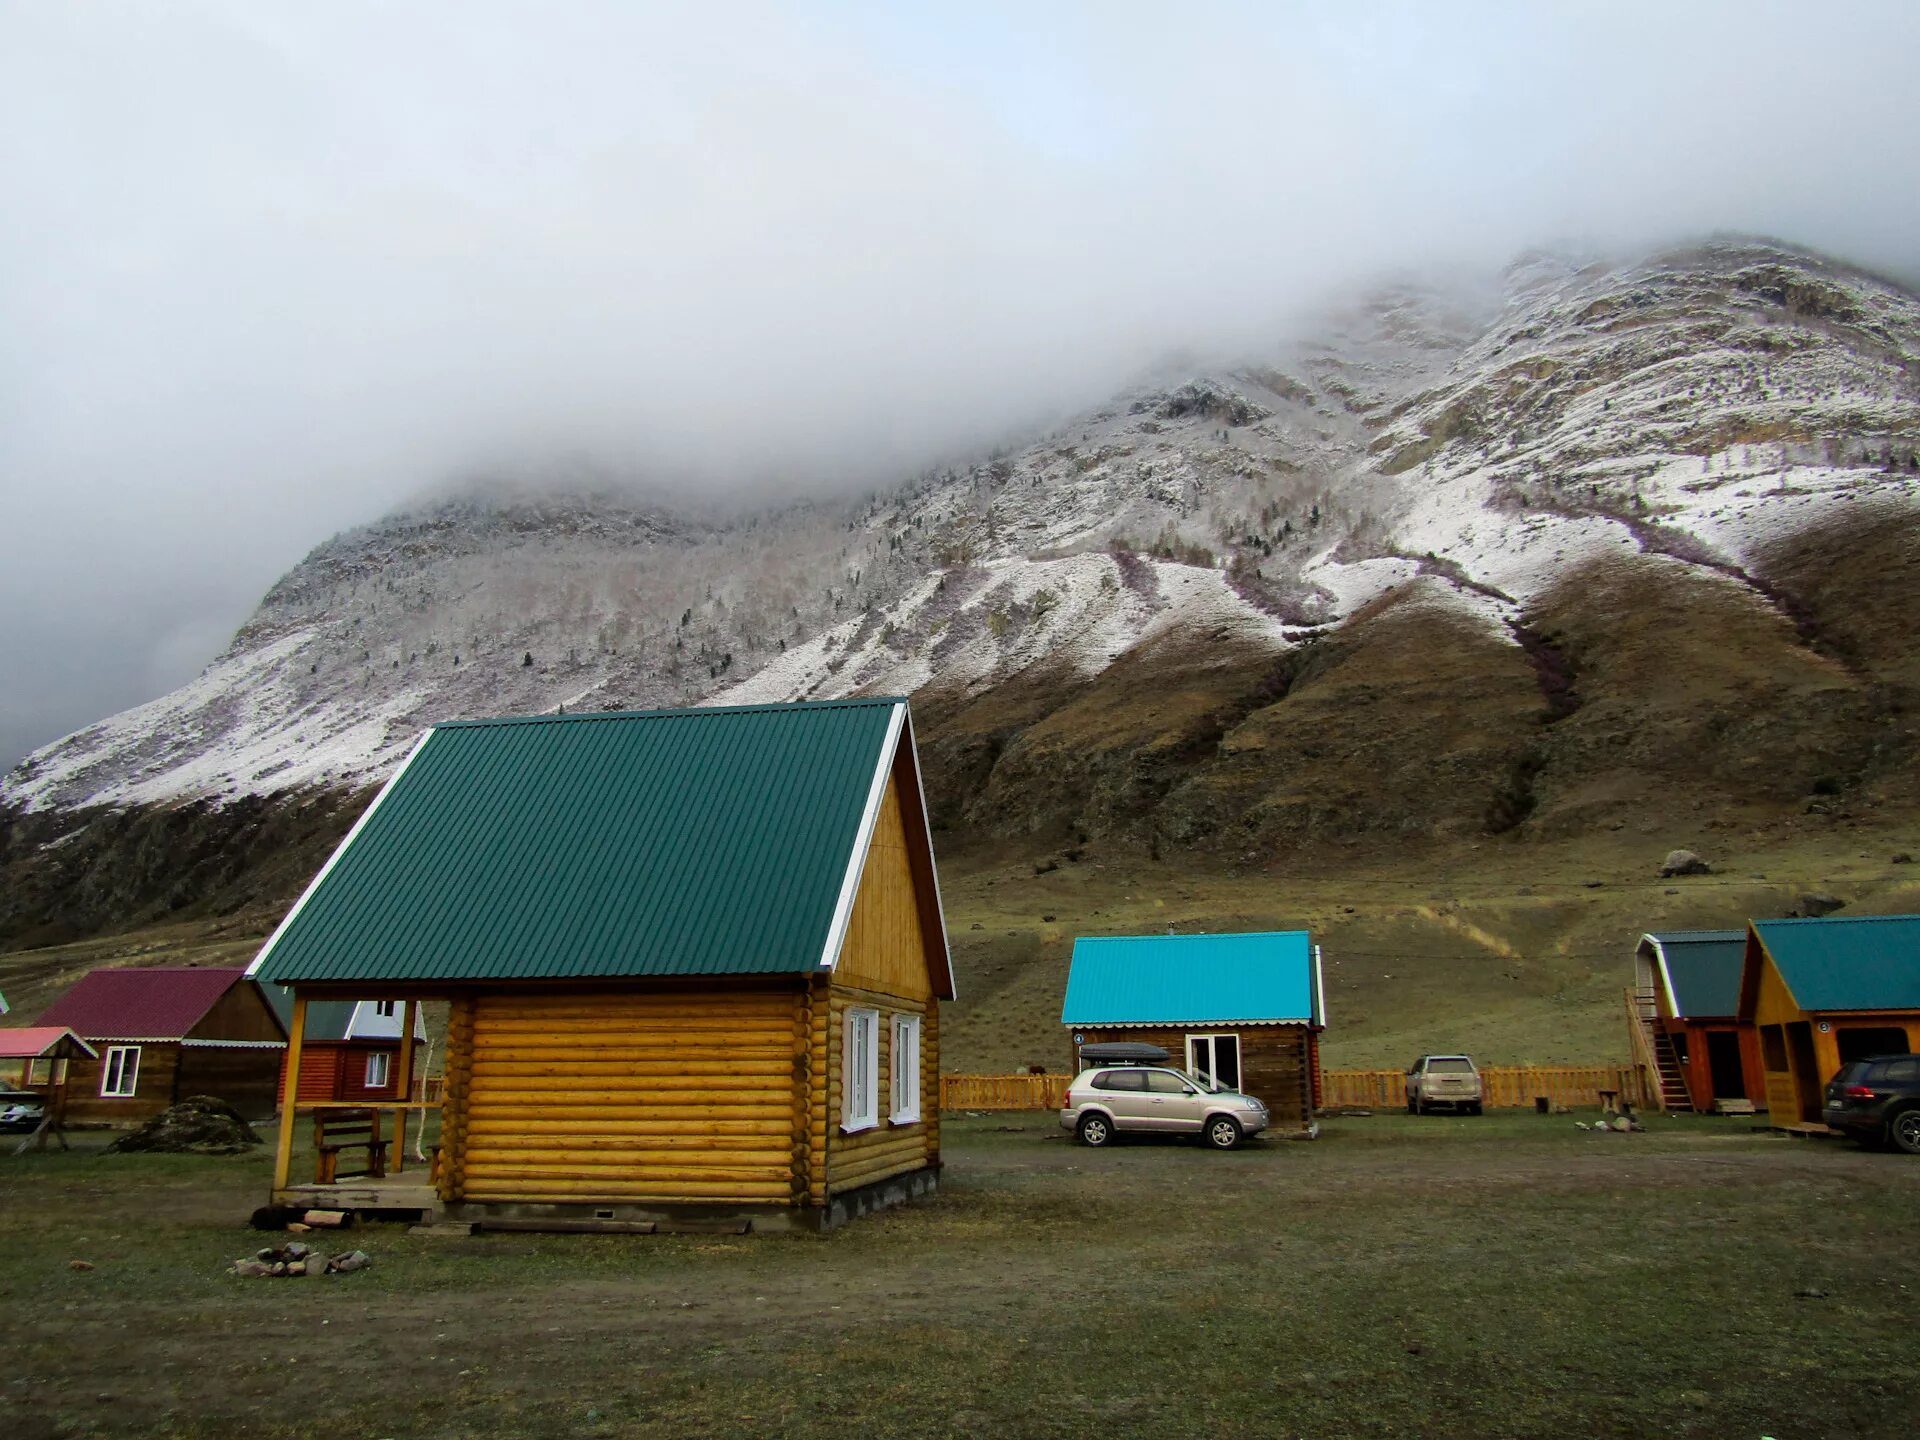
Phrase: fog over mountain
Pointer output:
(268, 270)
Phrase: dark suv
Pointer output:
(1877, 1100)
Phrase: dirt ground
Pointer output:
(1507, 1275)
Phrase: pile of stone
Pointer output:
(198, 1125)
(298, 1258)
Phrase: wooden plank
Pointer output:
(283, 1152)
(536, 1159)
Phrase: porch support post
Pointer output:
(297, 1032)
(403, 1083)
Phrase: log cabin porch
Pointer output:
(366, 1154)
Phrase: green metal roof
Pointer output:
(664, 842)
(1271, 977)
(1852, 962)
(1703, 970)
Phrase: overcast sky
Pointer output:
(268, 269)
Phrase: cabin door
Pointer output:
(1723, 1061)
(1215, 1058)
(1806, 1081)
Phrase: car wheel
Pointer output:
(1412, 1106)
(1905, 1131)
(1223, 1132)
(1419, 1106)
(1474, 1108)
(1095, 1130)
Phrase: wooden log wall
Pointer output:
(887, 1149)
(668, 1096)
(153, 1086)
(456, 1084)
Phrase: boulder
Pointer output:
(200, 1125)
(1816, 903)
(1683, 862)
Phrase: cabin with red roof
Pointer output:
(160, 1035)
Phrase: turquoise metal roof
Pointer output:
(1192, 979)
(1853, 962)
(1703, 970)
(664, 842)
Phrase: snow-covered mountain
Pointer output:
(1432, 453)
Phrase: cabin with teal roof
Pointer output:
(1243, 1010)
(1821, 993)
(1685, 1005)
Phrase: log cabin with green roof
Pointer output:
(694, 960)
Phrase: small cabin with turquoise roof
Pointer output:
(1242, 1010)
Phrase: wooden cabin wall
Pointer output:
(884, 965)
(885, 949)
(248, 1080)
(153, 1086)
(1775, 1012)
(320, 1062)
(241, 1014)
(1276, 1061)
(886, 1149)
(679, 1094)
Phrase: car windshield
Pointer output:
(1452, 1065)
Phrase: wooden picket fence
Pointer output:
(1510, 1086)
(1003, 1092)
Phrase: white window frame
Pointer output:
(385, 1063)
(860, 1071)
(1213, 1039)
(905, 1055)
(386, 1009)
(119, 1075)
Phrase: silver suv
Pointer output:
(1444, 1080)
(1112, 1098)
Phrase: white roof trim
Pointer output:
(334, 859)
(197, 1044)
(933, 863)
(1319, 990)
(1666, 979)
(1179, 1024)
(862, 841)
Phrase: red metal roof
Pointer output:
(34, 1041)
(159, 1004)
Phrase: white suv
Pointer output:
(1444, 1080)
(1109, 1099)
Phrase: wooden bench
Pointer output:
(337, 1130)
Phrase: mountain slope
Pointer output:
(1620, 543)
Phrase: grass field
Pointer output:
(1443, 1277)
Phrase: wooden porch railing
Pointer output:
(1511, 1086)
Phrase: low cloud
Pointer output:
(268, 269)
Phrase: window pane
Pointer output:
(1449, 1067)
(1165, 1082)
(1902, 1070)
(1226, 1061)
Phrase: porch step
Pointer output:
(445, 1229)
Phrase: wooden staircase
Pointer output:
(1654, 1048)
